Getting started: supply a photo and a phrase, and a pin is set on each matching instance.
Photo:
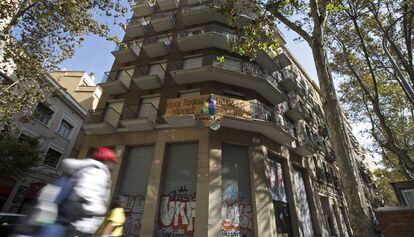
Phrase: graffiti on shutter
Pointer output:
(177, 207)
(237, 209)
(304, 212)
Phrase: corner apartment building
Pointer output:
(57, 124)
(266, 166)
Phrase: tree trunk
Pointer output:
(360, 214)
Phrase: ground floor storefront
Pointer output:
(199, 182)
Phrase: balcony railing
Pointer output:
(140, 111)
(117, 75)
(271, 114)
(136, 26)
(234, 113)
(150, 76)
(205, 5)
(254, 70)
(108, 115)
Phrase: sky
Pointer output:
(94, 56)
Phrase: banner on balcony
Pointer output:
(205, 105)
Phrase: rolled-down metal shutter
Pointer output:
(237, 209)
(304, 215)
(178, 193)
(133, 184)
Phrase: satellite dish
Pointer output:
(215, 125)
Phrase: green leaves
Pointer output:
(18, 155)
(38, 35)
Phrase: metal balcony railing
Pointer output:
(142, 21)
(270, 114)
(243, 67)
(117, 75)
(108, 115)
(155, 39)
(204, 5)
(164, 14)
(227, 35)
(152, 69)
(127, 45)
(140, 111)
(256, 70)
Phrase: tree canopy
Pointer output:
(36, 36)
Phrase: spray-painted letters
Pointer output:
(134, 209)
(177, 214)
(237, 219)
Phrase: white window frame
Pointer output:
(71, 122)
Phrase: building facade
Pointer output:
(208, 147)
(57, 125)
(81, 86)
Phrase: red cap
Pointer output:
(103, 153)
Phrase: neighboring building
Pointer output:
(81, 86)
(267, 166)
(57, 124)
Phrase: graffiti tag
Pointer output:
(177, 213)
(134, 209)
(237, 219)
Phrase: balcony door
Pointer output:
(149, 106)
(113, 112)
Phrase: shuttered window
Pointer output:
(278, 191)
(304, 215)
(178, 194)
(237, 209)
(133, 184)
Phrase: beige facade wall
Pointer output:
(208, 222)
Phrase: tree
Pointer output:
(371, 81)
(309, 19)
(36, 36)
(18, 155)
(382, 179)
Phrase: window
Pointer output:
(65, 128)
(43, 114)
(52, 157)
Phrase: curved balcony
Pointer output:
(168, 4)
(291, 79)
(188, 41)
(140, 117)
(136, 27)
(298, 108)
(150, 76)
(117, 82)
(206, 12)
(237, 73)
(143, 8)
(157, 46)
(129, 53)
(101, 121)
(238, 114)
(163, 21)
(306, 142)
